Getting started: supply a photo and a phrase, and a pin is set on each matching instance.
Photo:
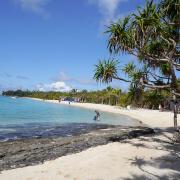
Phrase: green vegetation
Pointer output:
(146, 99)
(107, 96)
(152, 35)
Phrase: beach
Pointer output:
(79, 104)
(150, 118)
(145, 157)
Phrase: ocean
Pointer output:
(22, 118)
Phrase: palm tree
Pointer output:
(107, 70)
(74, 91)
(135, 94)
(152, 35)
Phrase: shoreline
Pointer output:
(116, 157)
(34, 151)
(113, 153)
(147, 117)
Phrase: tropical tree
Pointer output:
(152, 35)
(153, 98)
(74, 91)
(135, 94)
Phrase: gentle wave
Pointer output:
(44, 130)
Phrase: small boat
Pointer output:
(14, 97)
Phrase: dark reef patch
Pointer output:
(32, 151)
(45, 130)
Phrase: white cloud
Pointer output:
(56, 86)
(107, 8)
(35, 6)
(65, 78)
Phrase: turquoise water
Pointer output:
(26, 116)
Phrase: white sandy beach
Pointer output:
(150, 157)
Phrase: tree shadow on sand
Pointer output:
(144, 177)
(170, 161)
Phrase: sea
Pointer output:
(23, 118)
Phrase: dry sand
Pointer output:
(151, 157)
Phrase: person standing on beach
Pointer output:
(160, 108)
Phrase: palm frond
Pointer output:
(106, 70)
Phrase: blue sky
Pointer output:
(54, 44)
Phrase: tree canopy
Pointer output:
(152, 35)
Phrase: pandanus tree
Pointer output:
(152, 35)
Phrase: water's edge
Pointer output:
(35, 151)
(46, 130)
(24, 119)
(139, 122)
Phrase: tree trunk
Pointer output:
(175, 111)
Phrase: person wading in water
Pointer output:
(97, 116)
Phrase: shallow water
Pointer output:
(25, 118)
